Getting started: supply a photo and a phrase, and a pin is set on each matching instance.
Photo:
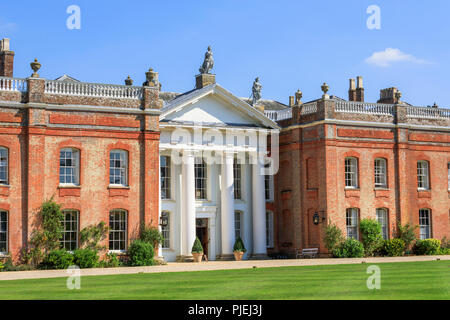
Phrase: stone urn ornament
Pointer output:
(325, 89)
(35, 66)
(128, 81)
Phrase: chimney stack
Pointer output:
(389, 96)
(6, 59)
(359, 89)
(352, 91)
(291, 101)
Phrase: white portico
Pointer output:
(212, 153)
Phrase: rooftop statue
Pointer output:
(256, 91)
(208, 63)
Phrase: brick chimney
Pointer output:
(352, 91)
(359, 89)
(6, 59)
(388, 95)
(204, 79)
(291, 101)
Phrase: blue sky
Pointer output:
(290, 45)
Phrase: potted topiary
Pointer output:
(197, 250)
(239, 249)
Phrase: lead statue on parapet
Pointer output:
(208, 63)
(256, 91)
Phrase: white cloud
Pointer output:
(389, 56)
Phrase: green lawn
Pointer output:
(408, 280)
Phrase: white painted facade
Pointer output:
(196, 125)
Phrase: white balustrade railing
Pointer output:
(309, 108)
(364, 107)
(13, 84)
(427, 112)
(92, 90)
(278, 115)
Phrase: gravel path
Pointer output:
(211, 265)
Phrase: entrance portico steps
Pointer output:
(211, 265)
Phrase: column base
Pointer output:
(184, 259)
(258, 256)
(225, 257)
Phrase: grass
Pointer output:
(406, 280)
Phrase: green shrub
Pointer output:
(350, 248)
(92, 236)
(407, 233)
(445, 243)
(111, 261)
(333, 237)
(197, 247)
(151, 235)
(85, 258)
(239, 246)
(444, 251)
(427, 247)
(141, 253)
(394, 247)
(57, 259)
(371, 237)
(2, 266)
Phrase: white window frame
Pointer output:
(425, 224)
(383, 219)
(166, 178)
(118, 231)
(165, 231)
(237, 179)
(6, 231)
(270, 243)
(63, 240)
(201, 163)
(380, 173)
(352, 223)
(351, 173)
(423, 175)
(4, 165)
(122, 168)
(75, 159)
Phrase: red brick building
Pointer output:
(350, 160)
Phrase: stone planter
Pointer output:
(197, 256)
(238, 255)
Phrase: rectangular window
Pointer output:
(118, 167)
(268, 184)
(380, 173)
(69, 165)
(237, 173)
(3, 232)
(423, 181)
(117, 230)
(269, 229)
(425, 224)
(69, 239)
(382, 218)
(352, 223)
(237, 224)
(3, 166)
(165, 230)
(351, 173)
(200, 179)
(165, 177)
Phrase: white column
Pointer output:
(227, 204)
(259, 210)
(188, 206)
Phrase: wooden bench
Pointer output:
(307, 253)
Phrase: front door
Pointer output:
(202, 234)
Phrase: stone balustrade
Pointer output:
(13, 84)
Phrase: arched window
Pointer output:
(351, 172)
(69, 238)
(425, 223)
(380, 173)
(3, 232)
(382, 217)
(423, 175)
(352, 222)
(118, 230)
(69, 166)
(118, 167)
(165, 230)
(3, 166)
